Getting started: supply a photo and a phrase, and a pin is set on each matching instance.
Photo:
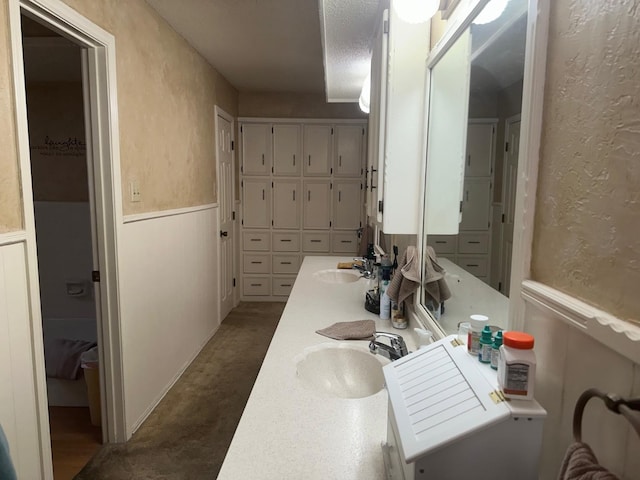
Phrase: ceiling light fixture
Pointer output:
(493, 11)
(416, 11)
(365, 95)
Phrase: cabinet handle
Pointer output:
(468, 160)
(294, 195)
(441, 241)
(263, 194)
(285, 263)
(309, 160)
(472, 265)
(256, 263)
(255, 240)
(294, 159)
(256, 284)
(339, 160)
(263, 158)
(285, 239)
(339, 196)
(285, 284)
(309, 195)
(316, 241)
(345, 241)
(473, 241)
(467, 195)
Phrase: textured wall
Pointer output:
(57, 142)
(294, 105)
(10, 210)
(587, 236)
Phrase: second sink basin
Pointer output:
(341, 370)
(337, 276)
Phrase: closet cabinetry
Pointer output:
(471, 247)
(302, 194)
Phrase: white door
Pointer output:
(256, 148)
(317, 203)
(317, 150)
(286, 204)
(349, 141)
(225, 198)
(286, 150)
(509, 184)
(347, 204)
(256, 203)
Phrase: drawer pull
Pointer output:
(258, 263)
(285, 284)
(285, 263)
(285, 239)
(472, 265)
(316, 241)
(441, 241)
(256, 284)
(346, 241)
(473, 241)
(255, 240)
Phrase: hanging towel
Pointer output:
(365, 240)
(435, 286)
(356, 330)
(580, 463)
(7, 472)
(62, 357)
(407, 277)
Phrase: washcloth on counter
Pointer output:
(62, 357)
(580, 463)
(407, 278)
(435, 286)
(356, 330)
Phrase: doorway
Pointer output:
(102, 180)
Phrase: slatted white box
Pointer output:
(444, 423)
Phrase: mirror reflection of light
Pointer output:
(365, 95)
(491, 12)
(416, 11)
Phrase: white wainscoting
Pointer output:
(18, 409)
(169, 302)
(572, 358)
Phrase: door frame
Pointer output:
(104, 148)
(219, 112)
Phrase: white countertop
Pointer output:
(289, 431)
(469, 296)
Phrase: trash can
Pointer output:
(90, 367)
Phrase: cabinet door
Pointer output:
(287, 150)
(347, 204)
(317, 204)
(476, 202)
(256, 149)
(286, 204)
(479, 149)
(256, 203)
(317, 150)
(349, 142)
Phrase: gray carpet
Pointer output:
(188, 434)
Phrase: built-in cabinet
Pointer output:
(302, 185)
(471, 247)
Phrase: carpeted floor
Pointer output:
(188, 434)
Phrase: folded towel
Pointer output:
(62, 357)
(407, 277)
(435, 286)
(580, 463)
(346, 265)
(356, 330)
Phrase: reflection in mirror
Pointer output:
(477, 255)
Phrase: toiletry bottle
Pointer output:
(477, 324)
(484, 353)
(495, 350)
(517, 365)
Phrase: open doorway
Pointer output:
(64, 212)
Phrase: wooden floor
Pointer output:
(73, 440)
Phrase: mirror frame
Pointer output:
(531, 131)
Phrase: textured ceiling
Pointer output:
(277, 45)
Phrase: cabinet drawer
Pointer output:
(255, 242)
(473, 243)
(286, 242)
(442, 243)
(255, 263)
(344, 242)
(256, 286)
(282, 285)
(285, 263)
(315, 242)
(478, 266)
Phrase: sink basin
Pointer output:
(337, 276)
(341, 370)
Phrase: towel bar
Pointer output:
(630, 409)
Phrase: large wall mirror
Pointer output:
(473, 128)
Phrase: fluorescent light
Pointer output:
(491, 12)
(416, 11)
(365, 95)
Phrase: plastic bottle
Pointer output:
(385, 306)
(517, 365)
(495, 349)
(486, 341)
(477, 324)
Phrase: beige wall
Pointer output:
(166, 95)
(294, 105)
(587, 235)
(57, 142)
(10, 210)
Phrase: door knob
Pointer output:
(223, 234)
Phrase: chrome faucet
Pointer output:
(366, 268)
(396, 350)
